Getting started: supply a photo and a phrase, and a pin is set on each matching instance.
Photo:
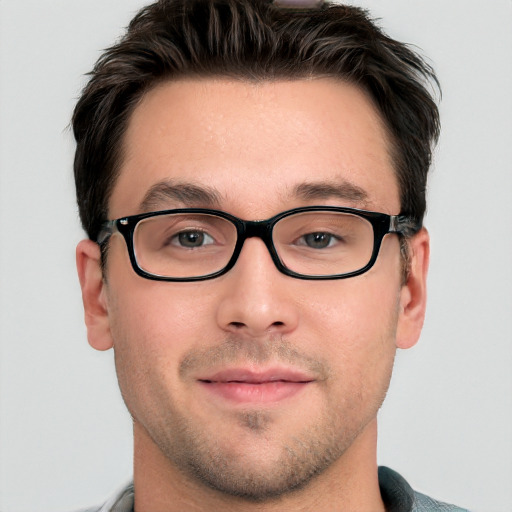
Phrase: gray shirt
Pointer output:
(397, 494)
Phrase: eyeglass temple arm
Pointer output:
(404, 225)
(108, 228)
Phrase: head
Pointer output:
(253, 384)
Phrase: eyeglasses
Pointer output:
(314, 242)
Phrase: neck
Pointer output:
(350, 483)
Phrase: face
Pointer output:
(254, 382)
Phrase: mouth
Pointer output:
(252, 386)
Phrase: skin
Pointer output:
(253, 145)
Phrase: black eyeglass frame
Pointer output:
(382, 224)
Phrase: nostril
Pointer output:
(241, 325)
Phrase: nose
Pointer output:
(257, 299)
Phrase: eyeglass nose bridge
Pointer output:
(261, 229)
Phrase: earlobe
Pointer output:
(88, 263)
(413, 295)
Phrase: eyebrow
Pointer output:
(159, 195)
(189, 194)
(343, 190)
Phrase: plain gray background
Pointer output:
(65, 439)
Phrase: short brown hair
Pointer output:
(252, 40)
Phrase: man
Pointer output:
(251, 177)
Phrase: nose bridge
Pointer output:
(254, 301)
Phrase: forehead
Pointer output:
(255, 144)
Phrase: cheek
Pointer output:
(160, 322)
(353, 308)
(153, 313)
(152, 325)
(354, 323)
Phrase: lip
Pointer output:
(242, 385)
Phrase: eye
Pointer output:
(319, 240)
(192, 239)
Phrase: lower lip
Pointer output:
(246, 392)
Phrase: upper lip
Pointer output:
(255, 376)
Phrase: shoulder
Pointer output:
(121, 501)
(423, 503)
(398, 496)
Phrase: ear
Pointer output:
(413, 295)
(88, 263)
